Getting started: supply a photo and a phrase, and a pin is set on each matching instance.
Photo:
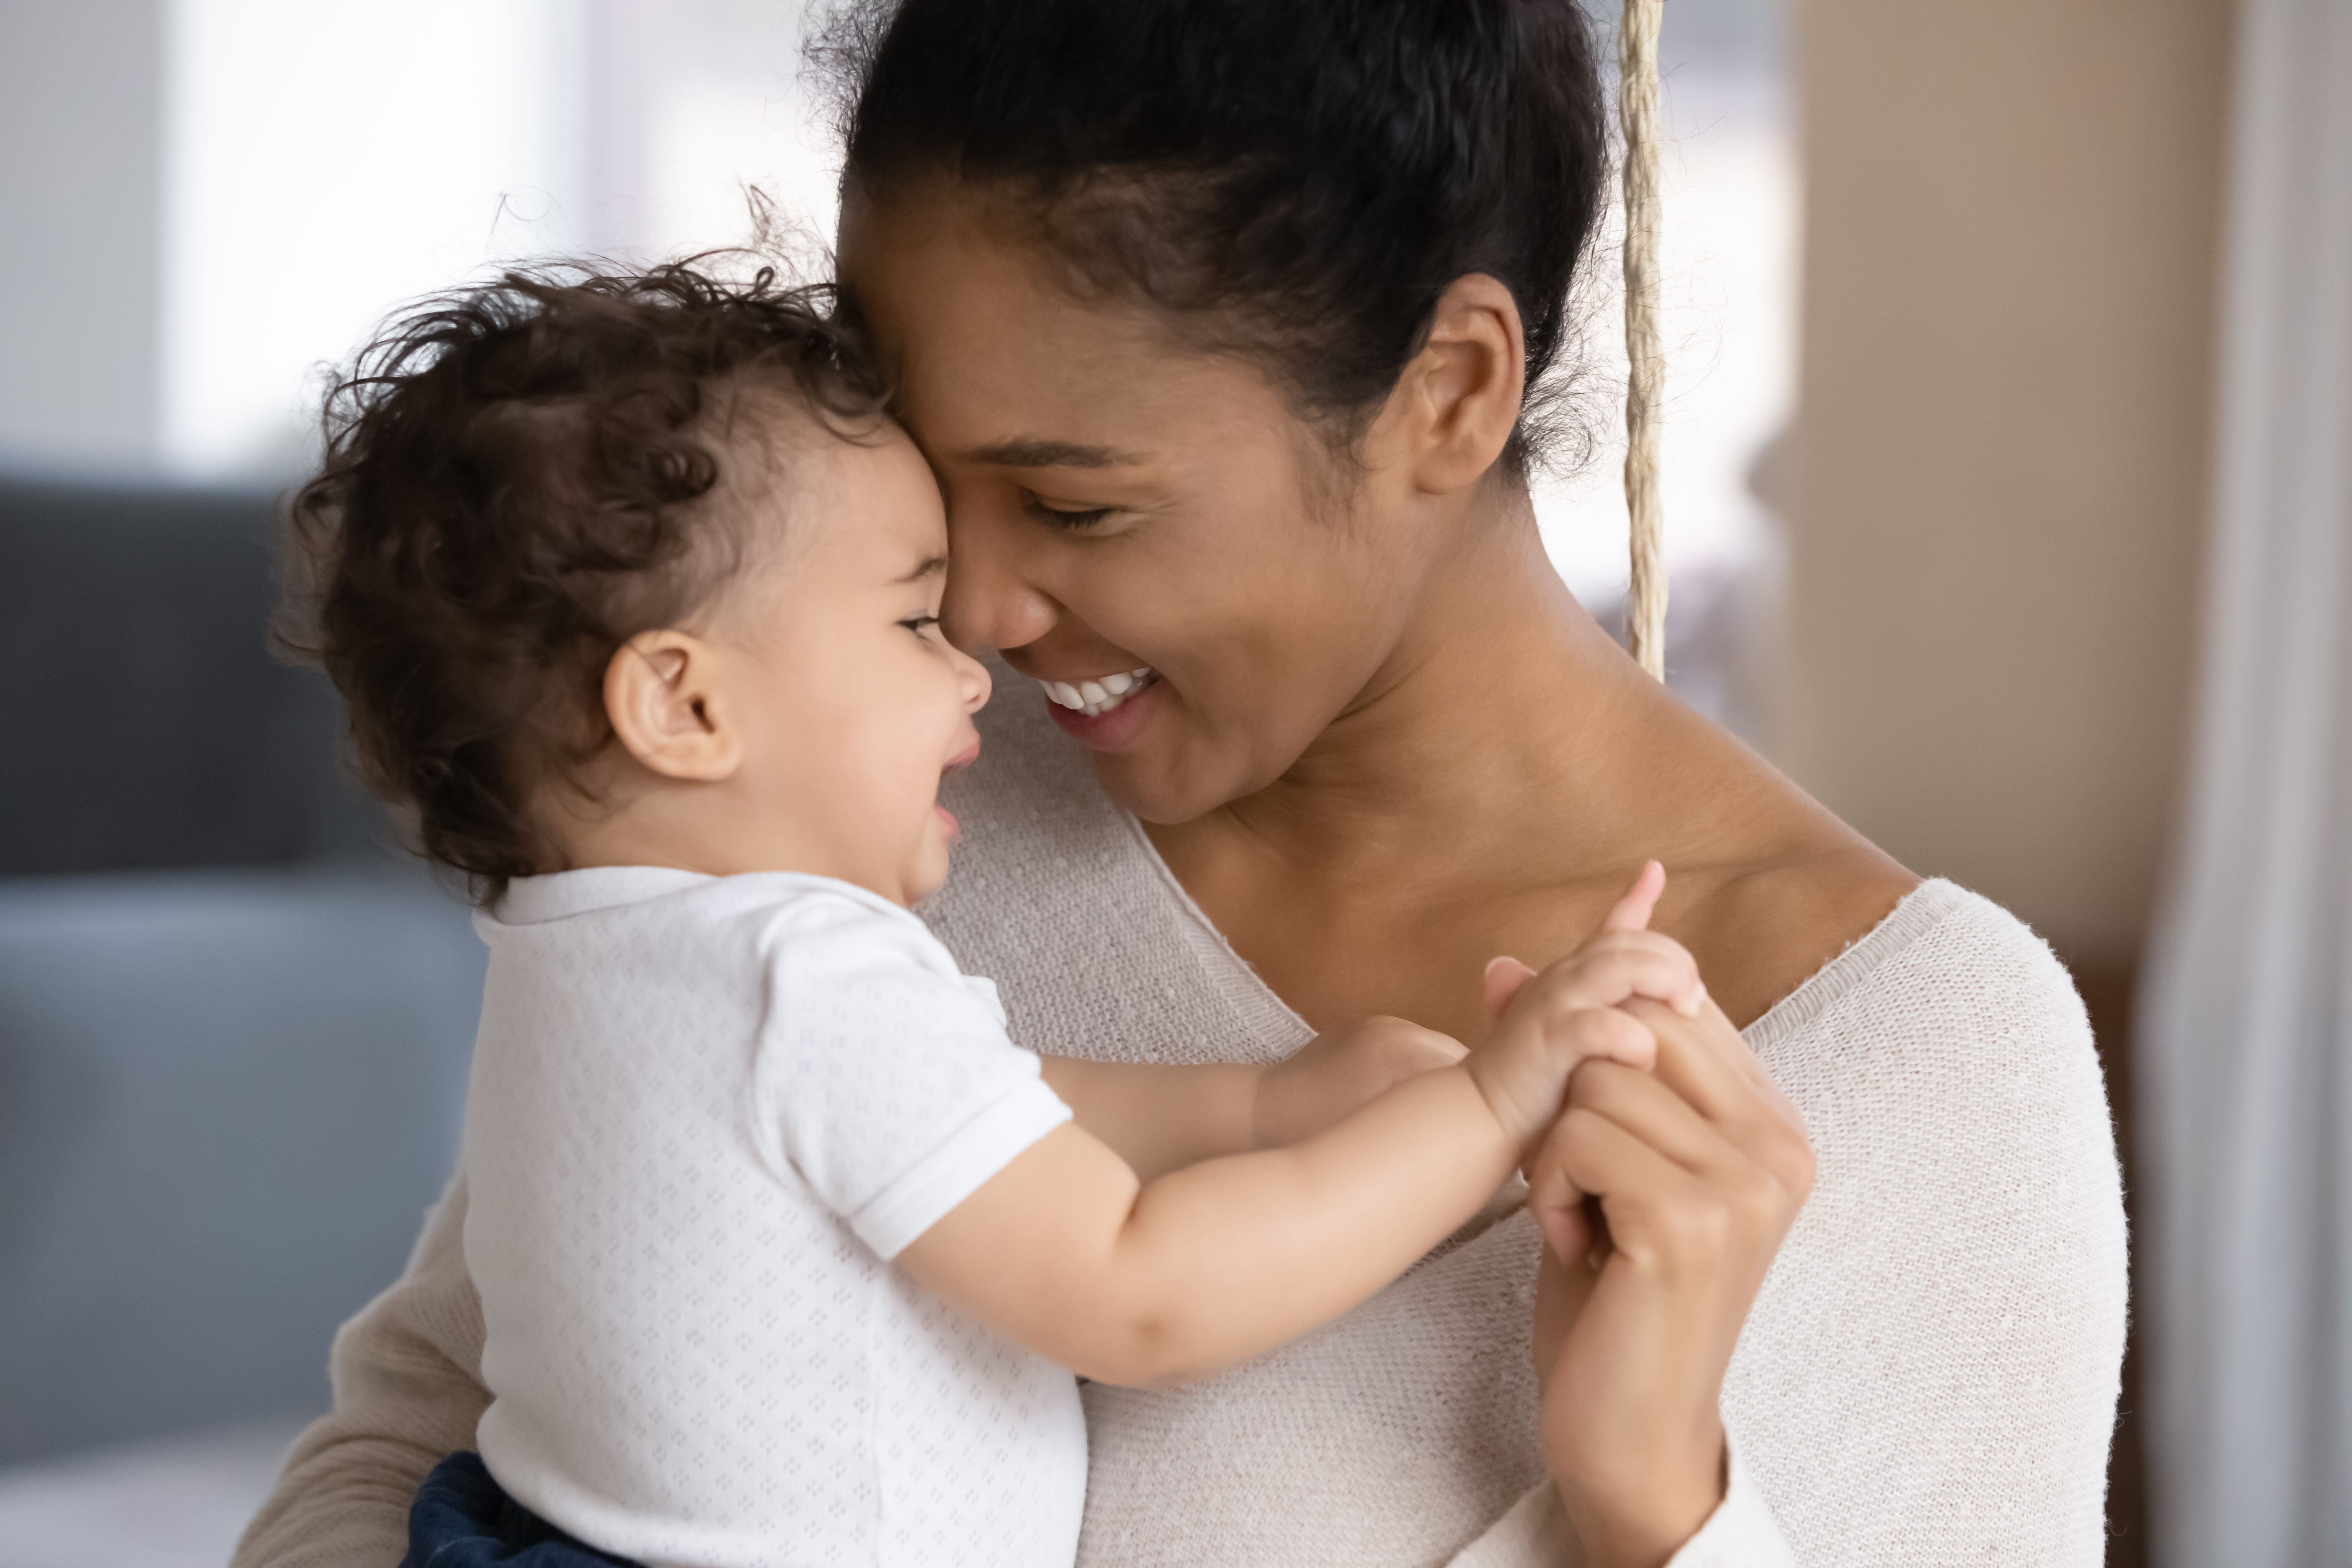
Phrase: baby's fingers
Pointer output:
(1619, 965)
(1607, 1033)
(1504, 979)
(1526, 1070)
(1632, 911)
(1418, 1050)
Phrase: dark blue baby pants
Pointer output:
(463, 1519)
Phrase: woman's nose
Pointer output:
(989, 603)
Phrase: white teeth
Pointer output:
(1099, 695)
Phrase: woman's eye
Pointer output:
(1069, 522)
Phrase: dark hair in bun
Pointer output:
(1296, 181)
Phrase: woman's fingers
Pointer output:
(1589, 1154)
(1705, 1064)
(1671, 1181)
(1558, 1203)
(1645, 1107)
(1677, 1227)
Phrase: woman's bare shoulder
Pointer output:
(1763, 926)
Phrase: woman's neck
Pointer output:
(1493, 790)
(1503, 711)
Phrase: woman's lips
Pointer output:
(1116, 728)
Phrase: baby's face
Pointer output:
(855, 705)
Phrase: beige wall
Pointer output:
(1998, 480)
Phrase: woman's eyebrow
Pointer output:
(1030, 452)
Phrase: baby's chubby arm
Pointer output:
(1159, 1118)
(1068, 1252)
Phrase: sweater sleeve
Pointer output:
(407, 1392)
(1929, 1374)
(1536, 1533)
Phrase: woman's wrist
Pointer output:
(1640, 1521)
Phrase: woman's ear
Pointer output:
(665, 698)
(1459, 400)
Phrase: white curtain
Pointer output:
(2245, 1065)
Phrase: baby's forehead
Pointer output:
(854, 502)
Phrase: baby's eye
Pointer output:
(920, 624)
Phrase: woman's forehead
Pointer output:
(1095, 410)
(990, 356)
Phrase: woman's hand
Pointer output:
(1697, 1169)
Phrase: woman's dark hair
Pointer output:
(1299, 181)
(518, 479)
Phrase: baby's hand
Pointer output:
(1340, 1072)
(1549, 1024)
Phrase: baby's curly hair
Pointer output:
(518, 479)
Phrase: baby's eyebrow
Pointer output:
(936, 563)
(1031, 452)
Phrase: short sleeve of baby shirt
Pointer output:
(885, 1074)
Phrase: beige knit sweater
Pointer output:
(1929, 1375)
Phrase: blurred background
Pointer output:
(2009, 511)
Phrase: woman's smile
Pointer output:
(1109, 712)
(1098, 695)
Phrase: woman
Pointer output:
(1225, 327)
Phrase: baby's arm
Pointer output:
(1160, 1119)
(1067, 1252)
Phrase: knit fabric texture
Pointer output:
(1928, 1375)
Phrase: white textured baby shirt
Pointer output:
(705, 1113)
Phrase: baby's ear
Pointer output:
(664, 696)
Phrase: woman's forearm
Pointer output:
(407, 1392)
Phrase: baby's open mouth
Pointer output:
(1099, 695)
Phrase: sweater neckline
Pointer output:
(1917, 912)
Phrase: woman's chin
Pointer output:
(1147, 787)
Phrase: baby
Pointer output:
(633, 591)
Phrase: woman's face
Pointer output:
(1152, 535)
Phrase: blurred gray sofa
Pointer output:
(234, 1026)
